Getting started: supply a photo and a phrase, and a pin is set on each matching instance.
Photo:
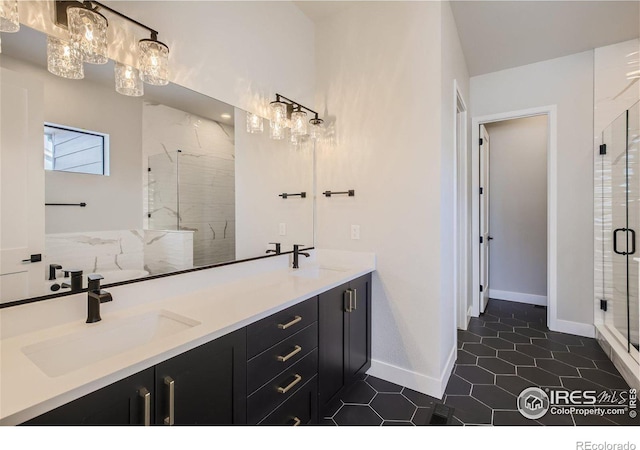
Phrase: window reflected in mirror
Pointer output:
(68, 149)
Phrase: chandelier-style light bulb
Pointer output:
(153, 57)
(64, 59)
(88, 31)
(254, 123)
(278, 120)
(299, 123)
(128, 81)
(315, 128)
(9, 22)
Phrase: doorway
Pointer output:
(515, 224)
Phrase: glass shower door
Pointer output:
(633, 223)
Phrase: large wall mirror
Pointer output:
(133, 186)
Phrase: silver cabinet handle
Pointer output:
(349, 300)
(146, 401)
(297, 349)
(284, 390)
(296, 421)
(355, 299)
(287, 325)
(170, 419)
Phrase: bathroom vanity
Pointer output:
(253, 343)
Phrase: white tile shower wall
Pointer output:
(96, 251)
(193, 190)
(167, 251)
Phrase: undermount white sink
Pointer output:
(316, 271)
(61, 355)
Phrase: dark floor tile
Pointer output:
(557, 367)
(603, 378)
(517, 358)
(479, 349)
(419, 399)
(514, 322)
(494, 397)
(573, 360)
(497, 366)
(529, 332)
(499, 326)
(534, 351)
(475, 375)
(513, 384)
(456, 422)
(591, 420)
(556, 420)
(469, 410)
(465, 357)
(549, 345)
(327, 422)
(577, 383)
(457, 386)
(563, 338)
(465, 336)
(515, 338)
(382, 385)
(396, 423)
(538, 376)
(538, 326)
(331, 409)
(393, 407)
(512, 418)
(357, 415)
(360, 393)
(482, 331)
(590, 342)
(498, 344)
(488, 318)
(422, 416)
(625, 419)
(588, 352)
(607, 366)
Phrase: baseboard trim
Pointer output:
(413, 380)
(518, 297)
(577, 328)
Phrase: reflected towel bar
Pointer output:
(350, 193)
(81, 205)
(301, 195)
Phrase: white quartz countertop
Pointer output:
(230, 298)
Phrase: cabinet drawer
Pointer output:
(271, 395)
(273, 329)
(269, 363)
(301, 408)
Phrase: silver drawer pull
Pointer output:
(296, 421)
(348, 300)
(297, 349)
(145, 395)
(170, 419)
(355, 299)
(287, 325)
(284, 390)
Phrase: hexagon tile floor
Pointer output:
(505, 350)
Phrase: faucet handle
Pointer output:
(278, 247)
(94, 281)
(95, 277)
(52, 270)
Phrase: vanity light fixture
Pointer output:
(254, 123)
(88, 30)
(285, 113)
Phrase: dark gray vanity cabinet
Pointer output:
(126, 402)
(344, 337)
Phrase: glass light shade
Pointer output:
(298, 123)
(254, 123)
(9, 22)
(315, 128)
(128, 81)
(278, 113)
(88, 31)
(278, 132)
(153, 61)
(63, 59)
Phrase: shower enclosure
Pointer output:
(617, 214)
(194, 192)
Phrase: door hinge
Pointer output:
(148, 169)
(481, 288)
(603, 305)
(481, 190)
(481, 240)
(603, 149)
(481, 141)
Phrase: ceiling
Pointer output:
(497, 35)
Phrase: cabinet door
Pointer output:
(121, 403)
(331, 340)
(358, 353)
(209, 384)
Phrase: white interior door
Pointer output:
(21, 186)
(484, 218)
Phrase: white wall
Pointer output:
(379, 79)
(518, 209)
(568, 83)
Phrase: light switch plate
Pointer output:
(283, 229)
(355, 232)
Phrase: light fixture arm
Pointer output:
(294, 105)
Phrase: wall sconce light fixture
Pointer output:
(285, 113)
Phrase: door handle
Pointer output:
(170, 383)
(633, 242)
(615, 241)
(33, 258)
(348, 300)
(145, 395)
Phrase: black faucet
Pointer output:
(52, 270)
(76, 280)
(95, 297)
(296, 254)
(278, 249)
